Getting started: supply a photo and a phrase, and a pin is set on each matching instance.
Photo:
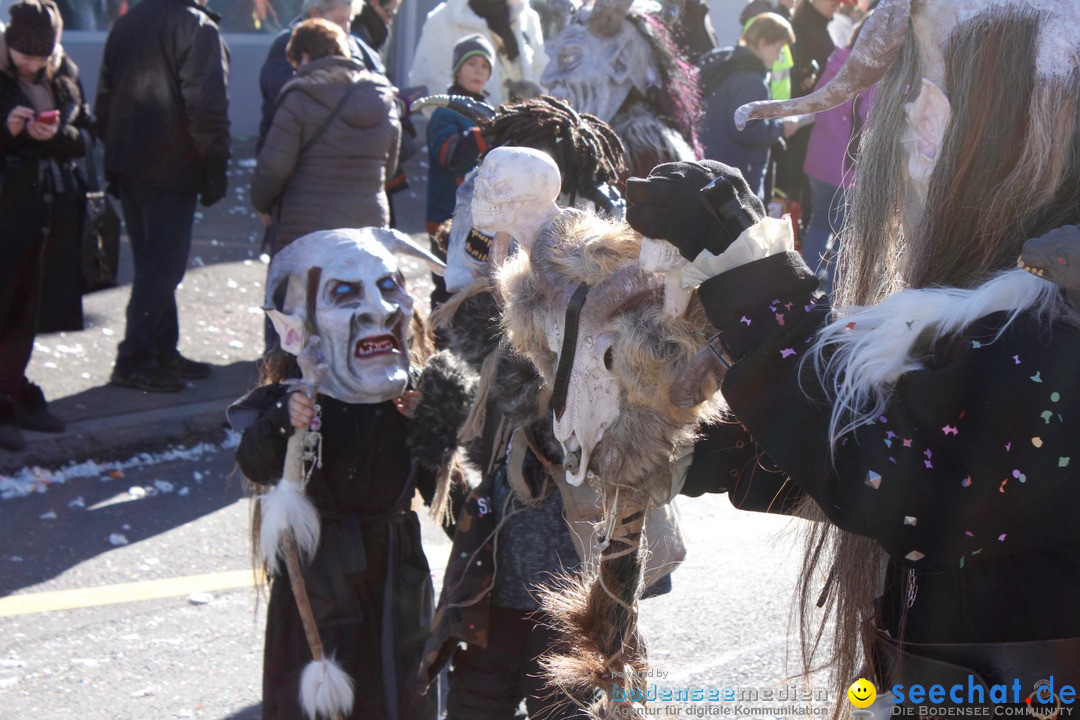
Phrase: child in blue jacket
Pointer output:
(454, 142)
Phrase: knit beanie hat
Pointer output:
(35, 28)
(470, 46)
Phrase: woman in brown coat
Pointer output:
(333, 142)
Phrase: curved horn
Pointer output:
(686, 391)
(399, 243)
(473, 109)
(623, 290)
(607, 16)
(874, 52)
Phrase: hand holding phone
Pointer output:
(49, 117)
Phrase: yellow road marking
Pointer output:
(123, 592)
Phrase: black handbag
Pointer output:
(101, 230)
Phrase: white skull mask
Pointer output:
(466, 256)
(592, 396)
(362, 310)
(515, 192)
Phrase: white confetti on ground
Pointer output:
(163, 486)
(38, 480)
(200, 598)
(51, 515)
(117, 539)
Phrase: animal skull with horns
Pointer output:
(611, 361)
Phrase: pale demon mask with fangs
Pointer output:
(347, 287)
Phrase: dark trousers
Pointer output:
(159, 223)
(24, 220)
(20, 295)
(489, 683)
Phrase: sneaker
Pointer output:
(148, 379)
(10, 436)
(185, 367)
(34, 412)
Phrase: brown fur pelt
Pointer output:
(597, 613)
(652, 350)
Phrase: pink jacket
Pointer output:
(833, 130)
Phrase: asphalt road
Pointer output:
(114, 651)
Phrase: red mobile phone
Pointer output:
(49, 117)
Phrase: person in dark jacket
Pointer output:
(40, 201)
(163, 112)
(741, 77)
(357, 149)
(372, 24)
(277, 70)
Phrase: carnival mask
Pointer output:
(594, 65)
(347, 287)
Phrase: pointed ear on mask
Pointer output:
(928, 117)
(290, 329)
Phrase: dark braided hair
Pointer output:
(586, 149)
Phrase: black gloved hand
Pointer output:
(695, 206)
(215, 183)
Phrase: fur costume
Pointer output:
(619, 63)
(632, 462)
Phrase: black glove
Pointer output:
(214, 185)
(695, 206)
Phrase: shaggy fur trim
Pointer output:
(651, 350)
(286, 509)
(325, 689)
(649, 141)
(473, 328)
(865, 351)
(447, 387)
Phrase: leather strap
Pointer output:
(569, 347)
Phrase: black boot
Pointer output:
(34, 411)
(10, 437)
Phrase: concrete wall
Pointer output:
(725, 20)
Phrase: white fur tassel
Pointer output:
(286, 508)
(873, 345)
(325, 689)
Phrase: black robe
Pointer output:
(370, 536)
(967, 479)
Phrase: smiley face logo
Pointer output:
(862, 693)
